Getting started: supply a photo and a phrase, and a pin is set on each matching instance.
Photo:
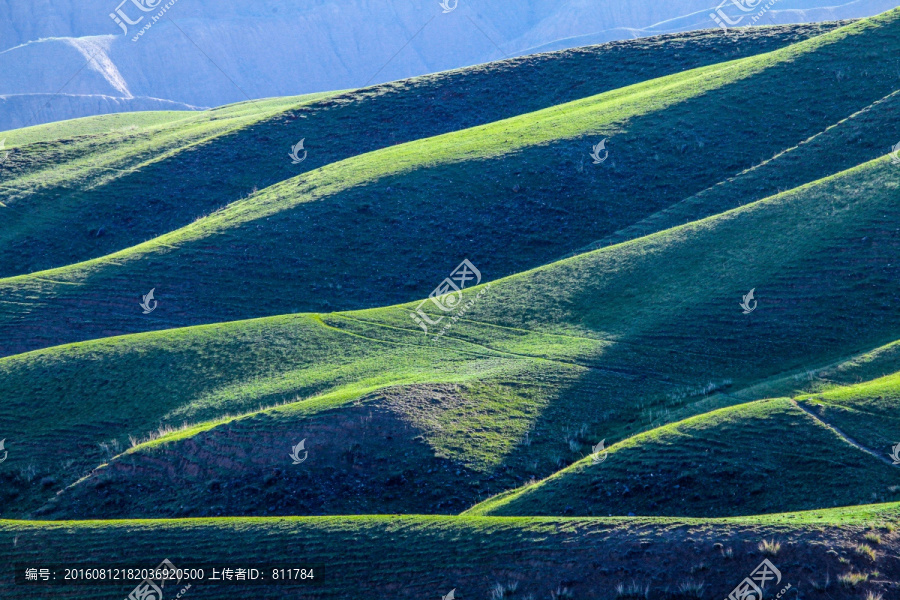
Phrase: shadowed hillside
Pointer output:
(673, 325)
(514, 194)
(544, 365)
(423, 557)
(73, 191)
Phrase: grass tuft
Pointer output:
(867, 551)
(500, 591)
(632, 591)
(769, 548)
(852, 579)
(691, 589)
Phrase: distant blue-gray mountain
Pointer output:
(69, 59)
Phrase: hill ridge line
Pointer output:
(841, 434)
(634, 231)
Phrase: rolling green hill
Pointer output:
(601, 346)
(865, 412)
(426, 557)
(512, 195)
(282, 405)
(89, 187)
(859, 138)
(764, 457)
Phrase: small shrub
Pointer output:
(691, 589)
(635, 591)
(852, 579)
(769, 548)
(560, 592)
(500, 591)
(873, 538)
(867, 551)
(873, 596)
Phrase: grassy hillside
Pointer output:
(281, 405)
(86, 188)
(426, 557)
(512, 195)
(90, 126)
(866, 412)
(859, 138)
(865, 366)
(763, 457)
(547, 363)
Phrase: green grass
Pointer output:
(424, 556)
(555, 353)
(515, 193)
(716, 423)
(92, 126)
(134, 177)
(859, 138)
(865, 366)
(726, 462)
(866, 411)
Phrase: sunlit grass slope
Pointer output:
(425, 557)
(77, 190)
(763, 457)
(544, 365)
(860, 137)
(866, 412)
(511, 195)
